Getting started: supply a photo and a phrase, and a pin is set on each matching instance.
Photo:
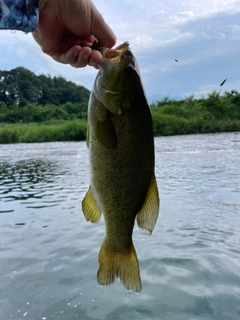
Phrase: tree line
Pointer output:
(26, 97)
(211, 113)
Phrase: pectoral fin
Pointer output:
(147, 216)
(90, 208)
(106, 134)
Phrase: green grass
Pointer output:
(43, 132)
(164, 125)
(67, 122)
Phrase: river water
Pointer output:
(190, 265)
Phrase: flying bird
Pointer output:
(176, 60)
(223, 82)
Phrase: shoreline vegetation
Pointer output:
(43, 132)
(43, 109)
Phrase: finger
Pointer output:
(101, 30)
(70, 56)
(64, 44)
(79, 57)
(73, 56)
(67, 56)
(87, 57)
(94, 58)
(82, 58)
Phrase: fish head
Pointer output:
(117, 78)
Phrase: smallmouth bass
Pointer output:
(121, 155)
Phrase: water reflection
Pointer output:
(24, 183)
(190, 266)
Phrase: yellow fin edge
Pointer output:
(90, 208)
(147, 216)
(122, 264)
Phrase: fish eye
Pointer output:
(129, 69)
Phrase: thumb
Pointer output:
(101, 31)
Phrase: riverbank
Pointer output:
(163, 125)
(167, 125)
(211, 114)
(43, 132)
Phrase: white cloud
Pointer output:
(236, 32)
(202, 90)
(203, 35)
(205, 90)
(193, 10)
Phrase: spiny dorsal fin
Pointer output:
(90, 208)
(147, 216)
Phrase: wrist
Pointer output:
(18, 15)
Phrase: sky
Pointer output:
(204, 36)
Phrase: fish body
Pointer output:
(121, 156)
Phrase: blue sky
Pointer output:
(203, 35)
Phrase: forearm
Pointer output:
(19, 15)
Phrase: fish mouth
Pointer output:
(114, 54)
(120, 50)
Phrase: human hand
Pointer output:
(67, 29)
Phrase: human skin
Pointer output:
(67, 29)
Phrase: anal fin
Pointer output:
(90, 208)
(147, 216)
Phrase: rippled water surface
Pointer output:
(190, 265)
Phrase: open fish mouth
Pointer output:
(112, 53)
(121, 49)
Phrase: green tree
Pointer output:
(22, 86)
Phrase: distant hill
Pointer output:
(22, 86)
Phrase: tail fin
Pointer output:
(116, 263)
